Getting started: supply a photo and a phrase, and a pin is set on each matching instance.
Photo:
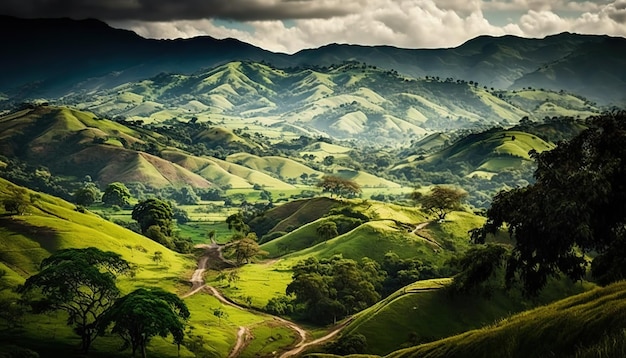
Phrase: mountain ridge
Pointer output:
(109, 57)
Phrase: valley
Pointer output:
(339, 201)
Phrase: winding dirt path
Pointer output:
(302, 346)
(428, 240)
(242, 342)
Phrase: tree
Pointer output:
(80, 282)
(441, 200)
(236, 222)
(577, 205)
(145, 313)
(220, 313)
(246, 249)
(154, 212)
(116, 194)
(87, 194)
(327, 230)
(328, 160)
(339, 186)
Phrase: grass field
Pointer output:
(582, 325)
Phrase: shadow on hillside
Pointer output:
(45, 236)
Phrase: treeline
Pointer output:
(327, 290)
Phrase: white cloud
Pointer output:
(408, 23)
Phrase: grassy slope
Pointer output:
(52, 224)
(373, 239)
(562, 327)
(432, 315)
(293, 214)
(489, 152)
(275, 166)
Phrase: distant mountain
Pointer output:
(53, 57)
(348, 101)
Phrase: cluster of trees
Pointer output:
(574, 214)
(156, 221)
(329, 289)
(82, 283)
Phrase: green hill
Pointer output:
(425, 311)
(586, 325)
(484, 153)
(292, 215)
(347, 101)
(52, 224)
(74, 143)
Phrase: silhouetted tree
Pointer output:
(577, 205)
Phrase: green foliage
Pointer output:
(145, 313)
(476, 267)
(441, 200)
(280, 305)
(116, 194)
(87, 194)
(154, 212)
(245, 249)
(330, 289)
(348, 344)
(402, 272)
(339, 186)
(327, 230)
(577, 205)
(237, 223)
(80, 282)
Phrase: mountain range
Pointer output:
(53, 57)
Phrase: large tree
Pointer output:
(339, 186)
(145, 313)
(80, 282)
(154, 212)
(441, 200)
(576, 208)
(116, 194)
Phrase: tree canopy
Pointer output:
(441, 200)
(154, 212)
(339, 186)
(80, 282)
(145, 313)
(116, 194)
(577, 206)
(331, 289)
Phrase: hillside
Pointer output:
(51, 224)
(588, 324)
(482, 154)
(348, 101)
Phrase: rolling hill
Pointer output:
(482, 154)
(347, 101)
(588, 324)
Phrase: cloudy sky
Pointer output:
(291, 25)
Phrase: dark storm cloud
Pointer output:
(165, 10)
